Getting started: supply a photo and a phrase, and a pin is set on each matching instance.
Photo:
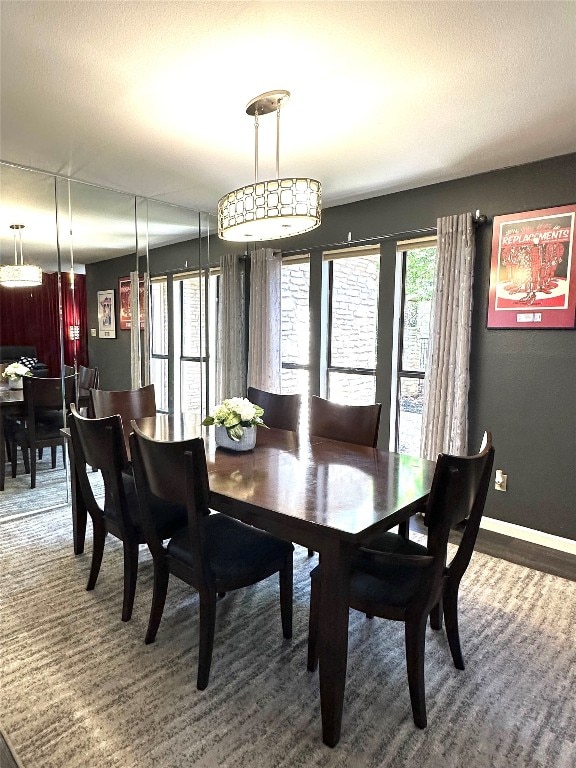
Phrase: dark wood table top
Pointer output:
(346, 488)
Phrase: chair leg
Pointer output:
(313, 625)
(130, 576)
(207, 626)
(415, 634)
(32, 468)
(53, 456)
(404, 529)
(26, 459)
(286, 597)
(451, 618)
(14, 458)
(161, 577)
(99, 537)
(436, 616)
(310, 552)
(40, 454)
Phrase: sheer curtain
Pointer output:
(445, 415)
(231, 359)
(139, 340)
(264, 326)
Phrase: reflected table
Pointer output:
(323, 494)
(11, 404)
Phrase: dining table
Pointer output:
(326, 495)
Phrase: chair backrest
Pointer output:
(43, 396)
(280, 411)
(128, 404)
(356, 424)
(100, 444)
(458, 495)
(87, 379)
(175, 472)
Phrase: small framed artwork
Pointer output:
(106, 315)
(532, 271)
(125, 310)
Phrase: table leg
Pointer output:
(2, 454)
(333, 637)
(79, 511)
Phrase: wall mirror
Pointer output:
(87, 241)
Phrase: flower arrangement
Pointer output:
(235, 414)
(15, 371)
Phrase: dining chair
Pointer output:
(356, 424)
(44, 417)
(406, 582)
(447, 606)
(99, 442)
(280, 411)
(215, 553)
(87, 380)
(128, 404)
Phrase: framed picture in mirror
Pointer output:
(106, 315)
(124, 300)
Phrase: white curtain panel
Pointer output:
(231, 359)
(135, 356)
(445, 414)
(264, 361)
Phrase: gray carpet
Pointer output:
(81, 690)
(52, 488)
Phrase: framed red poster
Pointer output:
(532, 274)
(124, 300)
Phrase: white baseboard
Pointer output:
(529, 534)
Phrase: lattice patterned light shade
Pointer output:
(20, 275)
(270, 210)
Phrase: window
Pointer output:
(184, 311)
(353, 286)
(416, 274)
(159, 341)
(194, 337)
(295, 349)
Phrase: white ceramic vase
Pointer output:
(246, 442)
(15, 383)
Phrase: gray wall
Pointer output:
(522, 381)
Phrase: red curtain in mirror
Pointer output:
(30, 317)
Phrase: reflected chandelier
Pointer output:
(269, 210)
(19, 275)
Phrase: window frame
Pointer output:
(398, 371)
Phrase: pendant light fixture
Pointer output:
(19, 275)
(269, 210)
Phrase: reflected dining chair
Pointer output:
(44, 416)
(100, 444)
(87, 380)
(215, 553)
(128, 404)
(280, 411)
(406, 581)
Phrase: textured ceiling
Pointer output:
(149, 97)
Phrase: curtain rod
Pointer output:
(478, 219)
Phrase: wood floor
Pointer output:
(516, 551)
